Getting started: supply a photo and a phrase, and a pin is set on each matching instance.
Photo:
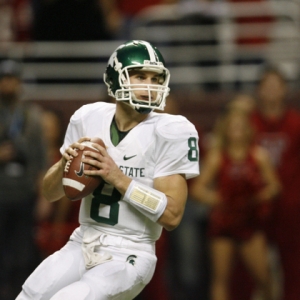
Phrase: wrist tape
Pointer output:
(148, 201)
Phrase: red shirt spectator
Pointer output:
(278, 130)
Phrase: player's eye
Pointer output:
(138, 77)
(159, 80)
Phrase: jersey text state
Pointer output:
(133, 172)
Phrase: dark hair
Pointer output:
(222, 124)
(272, 70)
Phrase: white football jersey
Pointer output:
(159, 146)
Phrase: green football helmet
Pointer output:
(137, 55)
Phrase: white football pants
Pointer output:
(63, 276)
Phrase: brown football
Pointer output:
(76, 184)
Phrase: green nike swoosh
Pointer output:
(129, 157)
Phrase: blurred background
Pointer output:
(215, 50)
(212, 48)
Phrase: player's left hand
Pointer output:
(107, 168)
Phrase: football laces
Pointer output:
(67, 166)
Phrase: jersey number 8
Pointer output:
(106, 194)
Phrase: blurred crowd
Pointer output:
(238, 239)
(91, 20)
(67, 20)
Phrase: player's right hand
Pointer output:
(71, 150)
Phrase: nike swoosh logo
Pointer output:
(129, 157)
(80, 172)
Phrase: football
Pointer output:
(77, 185)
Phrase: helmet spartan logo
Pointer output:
(113, 56)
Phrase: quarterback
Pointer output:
(147, 158)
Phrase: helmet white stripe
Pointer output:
(152, 54)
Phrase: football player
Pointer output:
(145, 163)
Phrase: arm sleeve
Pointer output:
(177, 150)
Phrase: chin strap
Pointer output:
(143, 110)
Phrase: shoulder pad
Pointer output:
(173, 127)
(86, 110)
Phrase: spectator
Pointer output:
(120, 13)
(242, 101)
(22, 13)
(68, 20)
(22, 160)
(6, 22)
(237, 181)
(242, 286)
(15, 21)
(278, 130)
(252, 35)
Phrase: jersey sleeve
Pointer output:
(74, 131)
(177, 150)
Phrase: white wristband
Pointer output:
(148, 201)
